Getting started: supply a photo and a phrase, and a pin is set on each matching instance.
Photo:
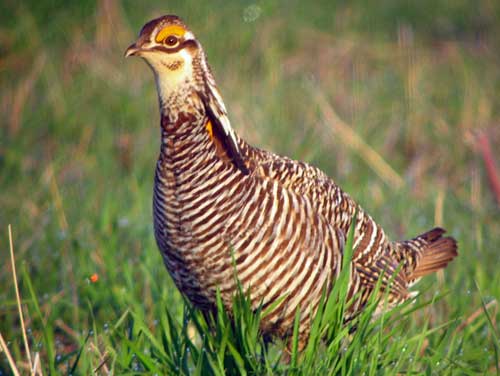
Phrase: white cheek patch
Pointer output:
(171, 72)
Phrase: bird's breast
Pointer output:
(195, 203)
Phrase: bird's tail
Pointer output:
(427, 253)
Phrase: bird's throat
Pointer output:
(173, 77)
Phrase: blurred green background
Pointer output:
(396, 100)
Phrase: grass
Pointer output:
(417, 82)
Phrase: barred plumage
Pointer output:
(285, 222)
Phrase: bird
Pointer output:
(223, 208)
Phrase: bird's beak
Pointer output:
(133, 50)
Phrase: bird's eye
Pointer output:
(171, 41)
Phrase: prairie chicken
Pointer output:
(284, 222)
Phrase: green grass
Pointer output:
(416, 81)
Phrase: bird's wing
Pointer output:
(326, 197)
(284, 249)
(372, 259)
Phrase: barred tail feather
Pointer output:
(438, 252)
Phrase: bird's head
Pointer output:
(182, 73)
(172, 52)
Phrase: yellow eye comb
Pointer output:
(170, 30)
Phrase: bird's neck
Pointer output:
(174, 78)
(185, 124)
(176, 98)
(183, 135)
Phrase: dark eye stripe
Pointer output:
(186, 44)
